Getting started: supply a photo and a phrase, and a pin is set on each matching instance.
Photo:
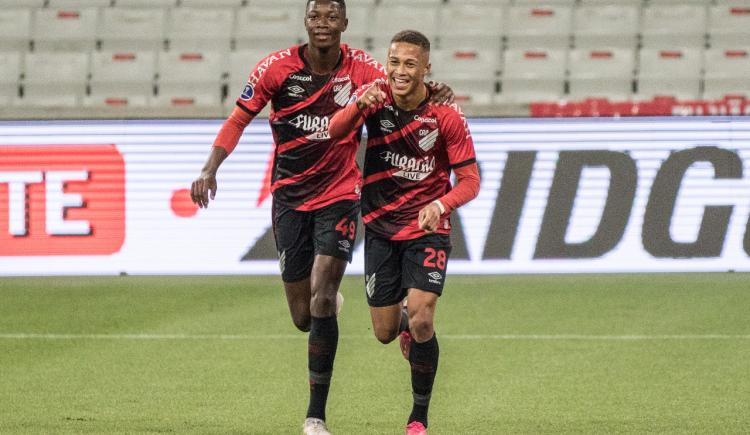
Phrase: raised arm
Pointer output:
(353, 115)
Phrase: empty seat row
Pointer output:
(452, 25)
(204, 78)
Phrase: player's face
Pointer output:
(324, 22)
(407, 66)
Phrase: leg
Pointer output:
(333, 251)
(298, 298)
(386, 322)
(424, 353)
(425, 264)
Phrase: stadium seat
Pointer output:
(79, 3)
(122, 78)
(132, 29)
(190, 78)
(10, 74)
(568, 3)
(21, 3)
(611, 2)
(146, 3)
(675, 25)
(65, 29)
(467, 25)
(389, 20)
(533, 75)
(539, 26)
(472, 74)
(606, 26)
(15, 29)
(727, 72)
(410, 3)
(269, 28)
(200, 29)
(729, 25)
(601, 73)
(55, 79)
(357, 34)
(670, 72)
(241, 63)
(211, 3)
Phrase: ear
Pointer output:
(346, 25)
(428, 69)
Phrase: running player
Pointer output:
(407, 199)
(315, 181)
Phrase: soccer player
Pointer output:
(315, 181)
(412, 147)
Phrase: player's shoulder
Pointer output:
(448, 111)
(281, 57)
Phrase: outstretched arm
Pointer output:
(352, 116)
(204, 187)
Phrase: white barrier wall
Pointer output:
(572, 195)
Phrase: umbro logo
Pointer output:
(345, 245)
(296, 90)
(435, 275)
(387, 126)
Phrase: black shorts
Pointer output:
(301, 235)
(392, 267)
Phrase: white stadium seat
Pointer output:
(727, 72)
(65, 29)
(55, 79)
(79, 3)
(21, 3)
(472, 74)
(390, 20)
(357, 34)
(670, 72)
(241, 63)
(539, 26)
(15, 29)
(601, 73)
(479, 26)
(132, 29)
(729, 25)
(10, 74)
(533, 75)
(200, 29)
(270, 28)
(211, 3)
(674, 25)
(606, 26)
(122, 78)
(190, 79)
(146, 3)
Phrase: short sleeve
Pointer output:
(458, 141)
(260, 87)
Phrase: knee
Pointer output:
(421, 328)
(386, 335)
(324, 305)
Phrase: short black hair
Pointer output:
(342, 3)
(412, 37)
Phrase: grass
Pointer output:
(596, 354)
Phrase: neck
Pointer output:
(322, 60)
(411, 101)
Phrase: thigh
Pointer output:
(383, 271)
(291, 230)
(335, 229)
(425, 263)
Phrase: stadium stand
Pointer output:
(498, 55)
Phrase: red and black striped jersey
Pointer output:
(310, 171)
(408, 163)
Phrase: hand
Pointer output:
(201, 188)
(441, 93)
(371, 99)
(429, 218)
